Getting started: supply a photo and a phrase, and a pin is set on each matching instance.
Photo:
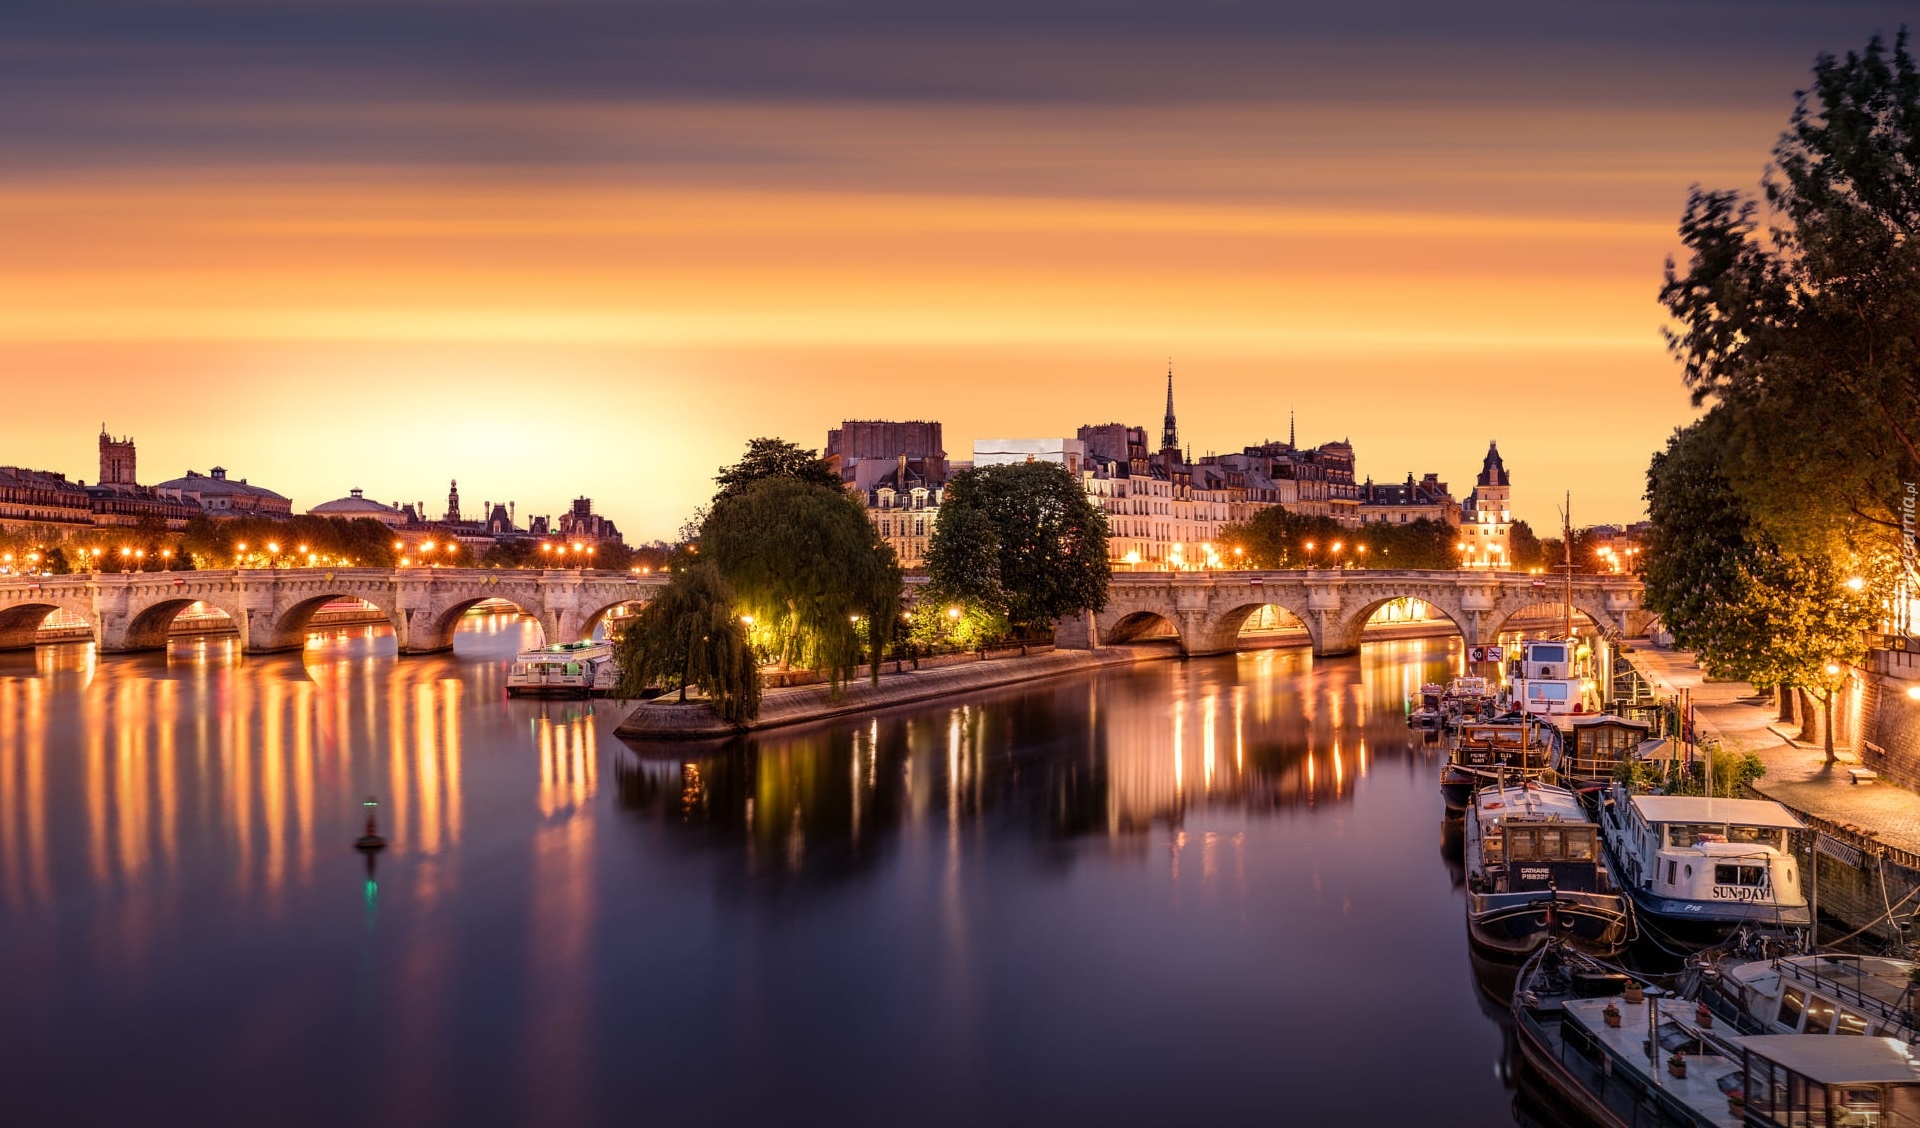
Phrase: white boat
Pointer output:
(1698, 868)
(1544, 684)
(1627, 1056)
(1813, 994)
(569, 669)
(1535, 871)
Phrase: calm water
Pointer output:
(1205, 892)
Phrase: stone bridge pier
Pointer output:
(1205, 611)
(271, 609)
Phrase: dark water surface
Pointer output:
(1209, 892)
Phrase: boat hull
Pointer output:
(1517, 924)
(1699, 924)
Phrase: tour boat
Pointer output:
(1593, 747)
(1822, 993)
(1628, 1055)
(569, 669)
(1424, 708)
(1697, 868)
(1534, 871)
(1543, 683)
(1466, 699)
(1489, 752)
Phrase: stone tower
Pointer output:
(116, 460)
(453, 502)
(1488, 520)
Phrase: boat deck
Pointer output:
(1700, 1090)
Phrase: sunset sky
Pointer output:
(552, 249)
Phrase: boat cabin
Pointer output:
(1533, 838)
(1545, 659)
(1692, 848)
(1792, 1081)
(1515, 744)
(1596, 745)
(1826, 993)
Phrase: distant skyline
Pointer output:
(591, 249)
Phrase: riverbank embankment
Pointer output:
(667, 719)
(1875, 823)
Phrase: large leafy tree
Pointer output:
(691, 636)
(1727, 591)
(1276, 537)
(805, 562)
(1022, 539)
(1807, 329)
(774, 458)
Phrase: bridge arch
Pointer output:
(581, 628)
(1220, 632)
(148, 622)
(20, 622)
(1343, 632)
(1604, 618)
(286, 628)
(1142, 626)
(431, 631)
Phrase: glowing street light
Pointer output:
(1855, 583)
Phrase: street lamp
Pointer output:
(1855, 583)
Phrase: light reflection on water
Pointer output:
(1201, 891)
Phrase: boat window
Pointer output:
(1549, 848)
(1739, 875)
(1819, 1016)
(1792, 1002)
(1546, 691)
(1547, 654)
(1808, 1107)
(1756, 835)
(1691, 834)
(1579, 845)
(1851, 1023)
(1673, 872)
(1520, 846)
(573, 667)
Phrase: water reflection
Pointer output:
(1178, 892)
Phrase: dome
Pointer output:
(354, 506)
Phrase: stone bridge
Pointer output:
(271, 607)
(1207, 609)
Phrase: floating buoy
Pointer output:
(371, 840)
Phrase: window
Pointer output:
(1792, 1003)
(1851, 1023)
(1757, 836)
(1579, 845)
(1692, 834)
(1520, 847)
(1546, 691)
(1549, 844)
(1672, 872)
(1739, 875)
(1819, 1016)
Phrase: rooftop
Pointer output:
(1697, 808)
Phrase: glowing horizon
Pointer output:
(351, 276)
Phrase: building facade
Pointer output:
(1427, 499)
(1486, 521)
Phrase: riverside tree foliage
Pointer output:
(1726, 590)
(1776, 518)
(1277, 538)
(690, 636)
(1803, 324)
(1020, 541)
(803, 561)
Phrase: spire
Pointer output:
(1289, 426)
(1170, 431)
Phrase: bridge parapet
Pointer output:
(271, 608)
(1206, 610)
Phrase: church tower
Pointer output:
(116, 460)
(453, 502)
(1169, 430)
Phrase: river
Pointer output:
(1204, 892)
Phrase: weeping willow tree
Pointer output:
(692, 635)
(822, 587)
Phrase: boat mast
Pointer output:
(1566, 540)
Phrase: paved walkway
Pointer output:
(1797, 774)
